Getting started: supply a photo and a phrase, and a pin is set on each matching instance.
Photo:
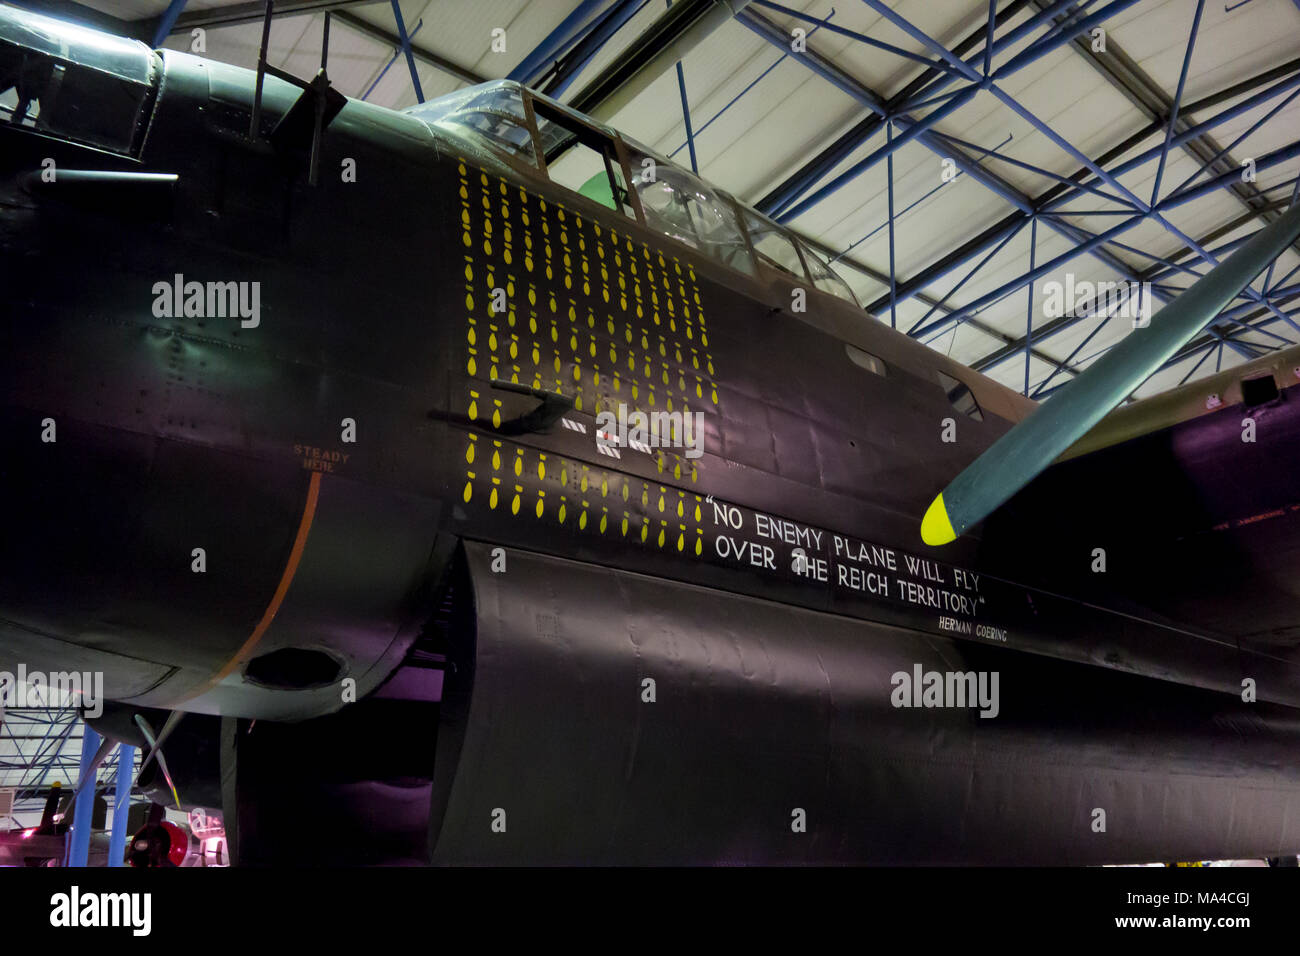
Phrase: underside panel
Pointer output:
(758, 711)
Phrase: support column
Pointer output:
(82, 815)
(121, 805)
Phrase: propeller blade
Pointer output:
(1021, 454)
(169, 725)
(162, 765)
(105, 748)
(154, 744)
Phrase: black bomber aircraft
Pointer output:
(484, 488)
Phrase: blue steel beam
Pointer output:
(1096, 169)
(1060, 195)
(1052, 40)
(902, 212)
(1287, 292)
(387, 38)
(121, 805)
(1173, 267)
(1035, 273)
(988, 37)
(405, 41)
(1127, 77)
(1067, 21)
(732, 102)
(974, 269)
(555, 43)
(1195, 368)
(1178, 100)
(1177, 199)
(851, 86)
(1126, 196)
(913, 131)
(1210, 339)
(1057, 325)
(879, 276)
(1094, 244)
(686, 117)
(233, 14)
(1001, 355)
(855, 35)
(1282, 339)
(1037, 170)
(959, 316)
(804, 178)
(1029, 306)
(169, 17)
(1268, 276)
(1283, 104)
(83, 809)
(1207, 255)
(45, 758)
(770, 32)
(1070, 358)
(389, 65)
(1215, 339)
(1193, 132)
(576, 60)
(937, 98)
(893, 301)
(686, 109)
(934, 46)
(917, 128)
(1285, 277)
(1247, 350)
(1006, 42)
(1268, 161)
(1165, 272)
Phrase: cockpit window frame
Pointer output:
(530, 116)
(699, 199)
(445, 120)
(623, 148)
(813, 256)
(766, 261)
(596, 132)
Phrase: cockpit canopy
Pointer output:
(535, 133)
(491, 114)
(62, 80)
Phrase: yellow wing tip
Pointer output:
(935, 527)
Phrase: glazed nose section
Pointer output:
(70, 83)
(74, 108)
(25, 78)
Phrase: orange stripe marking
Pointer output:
(286, 579)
